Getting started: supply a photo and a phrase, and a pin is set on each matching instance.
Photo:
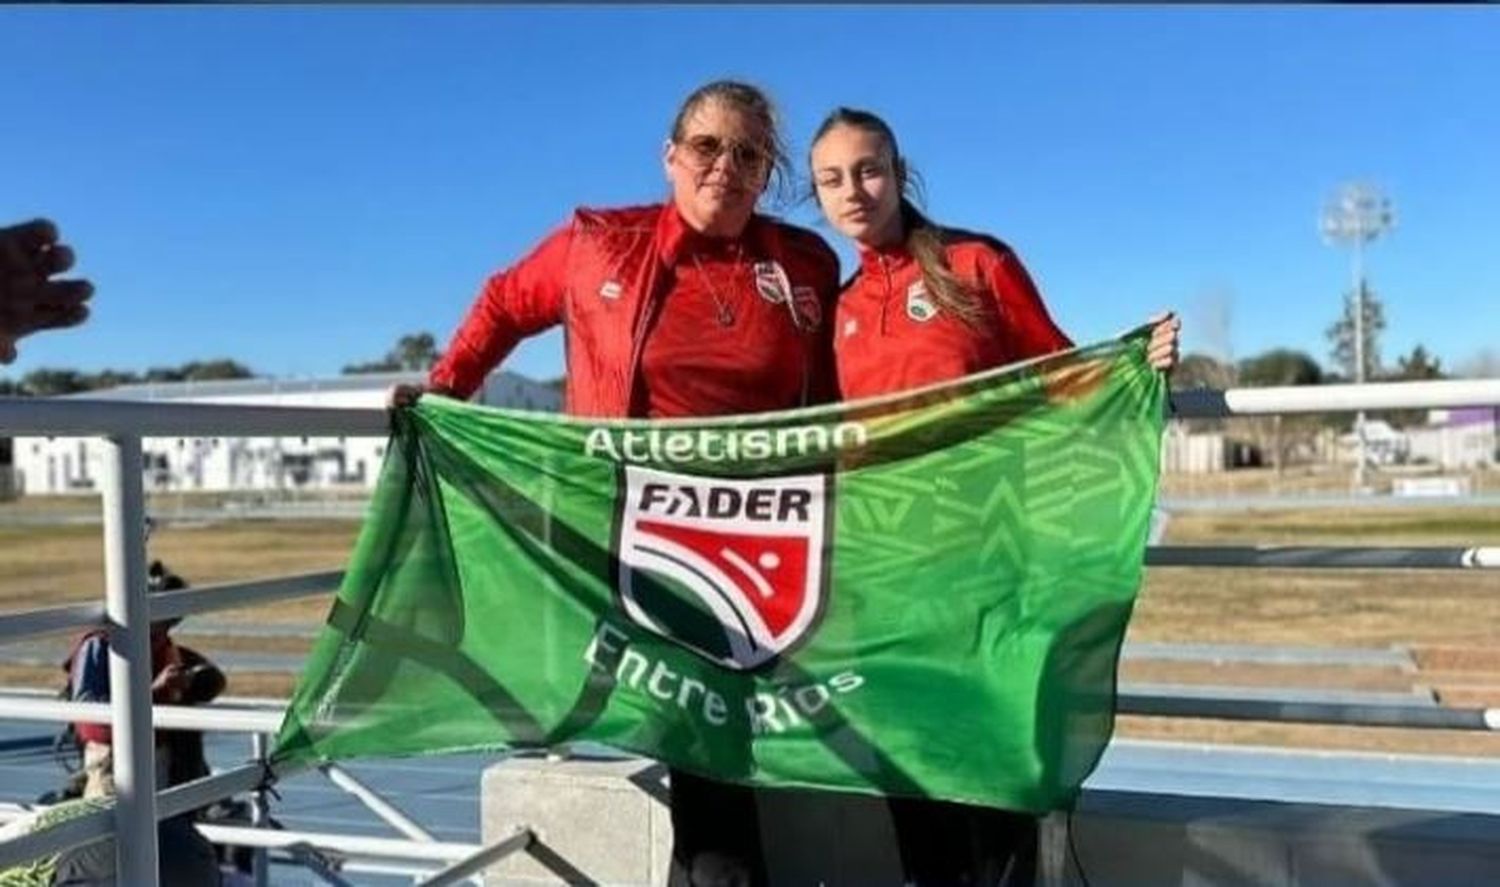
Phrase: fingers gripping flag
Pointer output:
(920, 595)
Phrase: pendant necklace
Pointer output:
(722, 308)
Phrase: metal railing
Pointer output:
(128, 613)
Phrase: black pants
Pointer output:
(730, 836)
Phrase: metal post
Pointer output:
(1359, 360)
(1357, 214)
(377, 805)
(129, 662)
(259, 812)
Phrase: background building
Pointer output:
(48, 465)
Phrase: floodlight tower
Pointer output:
(1356, 214)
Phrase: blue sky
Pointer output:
(296, 187)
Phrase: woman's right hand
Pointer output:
(404, 395)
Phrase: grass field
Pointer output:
(1448, 619)
(1300, 480)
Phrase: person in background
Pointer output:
(181, 676)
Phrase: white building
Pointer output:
(1384, 444)
(48, 465)
(1186, 451)
(1458, 439)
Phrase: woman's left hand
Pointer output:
(1161, 351)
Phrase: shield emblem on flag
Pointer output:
(734, 570)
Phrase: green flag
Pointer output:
(921, 595)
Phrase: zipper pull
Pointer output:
(885, 302)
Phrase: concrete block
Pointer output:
(596, 821)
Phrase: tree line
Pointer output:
(413, 352)
(1285, 366)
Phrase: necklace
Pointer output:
(722, 309)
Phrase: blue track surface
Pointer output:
(440, 794)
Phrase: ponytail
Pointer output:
(925, 242)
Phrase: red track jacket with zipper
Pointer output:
(890, 336)
(760, 301)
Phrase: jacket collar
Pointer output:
(676, 239)
(873, 260)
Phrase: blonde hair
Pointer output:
(752, 102)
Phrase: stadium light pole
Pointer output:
(1356, 214)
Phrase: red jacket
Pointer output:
(604, 276)
(889, 336)
(87, 667)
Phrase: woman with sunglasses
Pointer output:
(926, 305)
(695, 307)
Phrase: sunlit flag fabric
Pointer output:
(918, 595)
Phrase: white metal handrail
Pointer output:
(1447, 393)
(221, 718)
(128, 612)
(82, 417)
(1304, 557)
(96, 826)
(170, 604)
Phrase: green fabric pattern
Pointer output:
(919, 595)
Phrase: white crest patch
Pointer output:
(851, 326)
(918, 306)
(807, 310)
(772, 283)
(610, 289)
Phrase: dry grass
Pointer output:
(64, 564)
(1344, 608)
(1310, 479)
(1250, 674)
(1317, 608)
(1426, 525)
(1367, 739)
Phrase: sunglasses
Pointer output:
(704, 150)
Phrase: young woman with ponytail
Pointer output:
(926, 305)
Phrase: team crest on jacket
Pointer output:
(918, 306)
(731, 569)
(771, 282)
(807, 310)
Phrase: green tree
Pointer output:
(1280, 366)
(417, 351)
(207, 370)
(413, 352)
(164, 374)
(111, 379)
(48, 382)
(1341, 335)
(1202, 371)
(1280, 435)
(1418, 366)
